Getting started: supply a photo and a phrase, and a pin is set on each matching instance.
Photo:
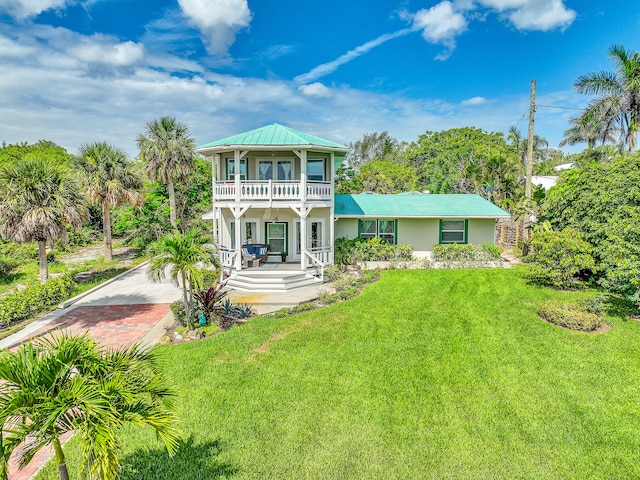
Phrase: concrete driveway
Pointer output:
(130, 301)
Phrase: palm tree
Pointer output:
(180, 256)
(109, 180)
(586, 127)
(618, 104)
(167, 150)
(38, 200)
(68, 383)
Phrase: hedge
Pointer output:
(35, 299)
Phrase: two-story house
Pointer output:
(273, 187)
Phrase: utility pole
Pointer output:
(529, 166)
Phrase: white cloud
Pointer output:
(315, 89)
(533, 14)
(218, 21)
(440, 24)
(474, 101)
(21, 9)
(49, 93)
(98, 49)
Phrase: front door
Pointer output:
(276, 237)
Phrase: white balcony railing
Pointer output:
(271, 190)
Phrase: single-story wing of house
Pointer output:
(421, 220)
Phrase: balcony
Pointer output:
(271, 190)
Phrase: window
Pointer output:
(383, 229)
(231, 169)
(315, 169)
(453, 231)
(283, 170)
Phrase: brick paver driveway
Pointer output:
(120, 313)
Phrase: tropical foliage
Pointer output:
(560, 258)
(39, 200)
(167, 150)
(109, 180)
(616, 109)
(601, 201)
(65, 383)
(34, 299)
(182, 257)
(374, 147)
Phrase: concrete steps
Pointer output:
(271, 280)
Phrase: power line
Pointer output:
(556, 106)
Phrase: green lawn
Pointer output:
(427, 374)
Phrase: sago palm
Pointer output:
(167, 150)
(68, 383)
(39, 200)
(618, 102)
(181, 257)
(109, 180)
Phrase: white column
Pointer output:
(303, 242)
(332, 218)
(236, 167)
(303, 208)
(303, 177)
(237, 216)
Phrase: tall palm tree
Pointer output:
(109, 180)
(181, 256)
(68, 383)
(38, 201)
(167, 150)
(618, 103)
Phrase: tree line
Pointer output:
(45, 192)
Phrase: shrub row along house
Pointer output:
(274, 187)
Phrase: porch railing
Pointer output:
(227, 258)
(320, 257)
(272, 190)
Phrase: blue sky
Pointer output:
(78, 71)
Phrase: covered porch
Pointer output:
(278, 239)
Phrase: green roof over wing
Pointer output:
(274, 135)
(416, 205)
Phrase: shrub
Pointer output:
(571, 316)
(456, 252)
(332, 272)
(7, 264)
(347, 293)
(559, 258)
(179, 311)
(345, 280)
(36, 298)
(348, 252)
(492, 250)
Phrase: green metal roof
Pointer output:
(273, 135)
(418, 205)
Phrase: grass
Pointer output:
(458, 379)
